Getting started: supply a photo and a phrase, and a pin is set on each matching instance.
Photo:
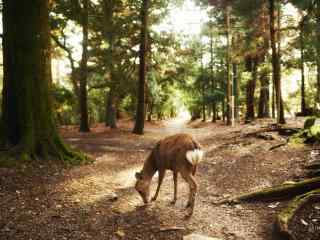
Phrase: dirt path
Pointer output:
(98, 201)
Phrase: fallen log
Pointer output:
(281, 192)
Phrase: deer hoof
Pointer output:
(188, 205)
(153, 199)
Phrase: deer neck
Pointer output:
(149, 169)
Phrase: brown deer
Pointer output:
(180, 153)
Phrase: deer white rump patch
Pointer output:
(195, 156)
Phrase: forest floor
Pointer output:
(98, 201)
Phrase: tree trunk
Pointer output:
(236, 90)
(276, 64)
(140, 115)
(27, 124)
(303, 94)
(204, 115)
(228, 62)
(150, 113)
(264, 95)
(251, 87)
(213, 81)
(273, 105)
(84, 120)
(318, 53)
(111, 111)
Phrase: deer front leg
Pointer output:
(175, 182)
(160, 179)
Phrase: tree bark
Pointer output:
(303, 94)
(84, 120)
(273, 104)
(318, 53)
(140, 114)
(213, 81)
(276, 64)
(228, 62)
(27, 125)
(236, 90)
(111, 111)
(264, 99)
(251, 87)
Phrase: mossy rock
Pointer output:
(315, 132)
(310, 133)
(309, 122)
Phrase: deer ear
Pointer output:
(138, 175)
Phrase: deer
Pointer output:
(180, 153)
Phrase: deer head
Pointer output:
(143, 187)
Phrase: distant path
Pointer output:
(176, 125)
(180, 125)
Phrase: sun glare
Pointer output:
(186, 20)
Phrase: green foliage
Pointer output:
(63, 103)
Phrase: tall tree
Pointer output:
(212, 77)
(27, 124)
(251, 87)
(302, 60)
(111, 112)
(317, 15)
(276, 63)
(264, 99)
(140, 114)
(84, 120)
(230, 103)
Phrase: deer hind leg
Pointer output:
(187, 175)
(175, 182)
(194, 170)
(160, 179)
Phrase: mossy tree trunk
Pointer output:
(84, 119)
(140, 114)
(27, 124)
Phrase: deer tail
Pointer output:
(195, 156)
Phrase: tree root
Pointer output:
(281, 192)
(286, 216)
(56, 149)
(278, 146)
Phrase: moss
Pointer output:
(310, 133)
(315, 132)
(309, 122)
(286, 215)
